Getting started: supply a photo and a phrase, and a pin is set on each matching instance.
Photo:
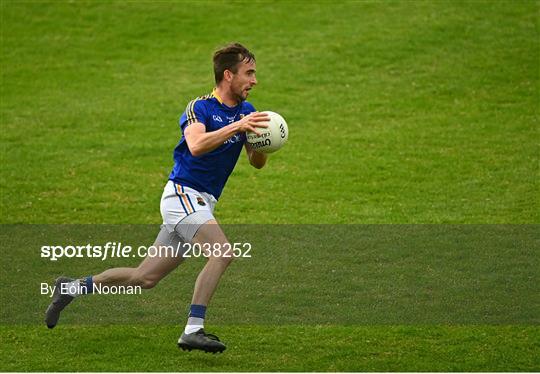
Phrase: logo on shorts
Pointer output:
(200, 201)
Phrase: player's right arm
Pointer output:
(200, 142)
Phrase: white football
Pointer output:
(273, 137)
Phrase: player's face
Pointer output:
(243, 80)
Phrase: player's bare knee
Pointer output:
(227, 260)
(149, 282)
(146, 281)
(222, 260)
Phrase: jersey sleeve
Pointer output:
(195, 112)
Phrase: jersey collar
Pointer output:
(218, 98)
(215, 94)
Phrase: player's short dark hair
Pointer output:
(228, 58)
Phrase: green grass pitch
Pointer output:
(400, 112)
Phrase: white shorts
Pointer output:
(185, 210)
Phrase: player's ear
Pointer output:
(228, 75)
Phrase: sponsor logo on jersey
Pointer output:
(233, 139)
(217, 118)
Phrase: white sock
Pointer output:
(194, 324)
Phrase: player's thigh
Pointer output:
(164, 257)
(211, 233)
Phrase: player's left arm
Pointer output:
(256, 159)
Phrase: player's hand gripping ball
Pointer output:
(272, 137)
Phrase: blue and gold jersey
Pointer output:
(209, 172)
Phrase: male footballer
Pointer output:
(213, 134)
